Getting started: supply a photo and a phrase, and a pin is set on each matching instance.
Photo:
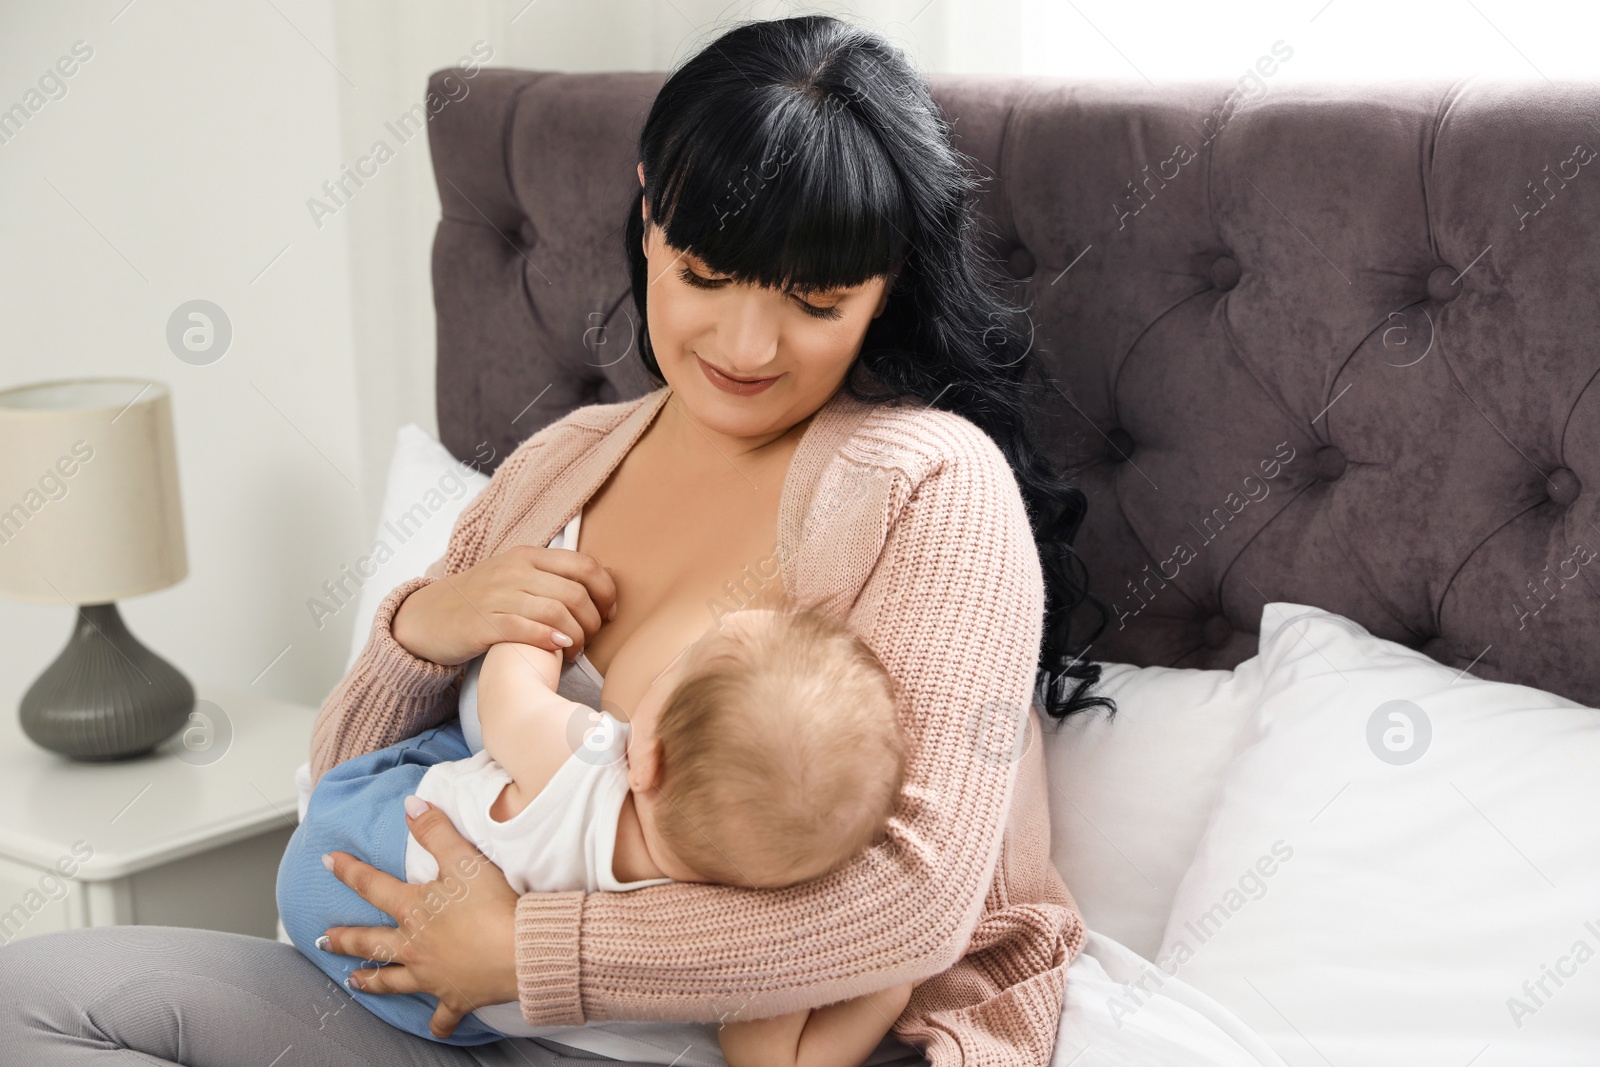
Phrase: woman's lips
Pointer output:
(734, 385)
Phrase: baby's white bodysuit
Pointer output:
(562, 841)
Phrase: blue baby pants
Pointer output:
(359, 807)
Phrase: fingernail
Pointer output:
(560, 638)
(415, 806)
(612, 613)
(352, 982)
(323, 942)
(327, 860)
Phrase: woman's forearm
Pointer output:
(956, 616)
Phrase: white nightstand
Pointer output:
(179, 837)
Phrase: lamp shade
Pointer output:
(89, 505)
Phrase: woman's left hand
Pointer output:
(456, 938)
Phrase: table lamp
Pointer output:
(90, 514)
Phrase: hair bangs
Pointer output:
(807, 200)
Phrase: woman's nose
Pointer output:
(748, 333)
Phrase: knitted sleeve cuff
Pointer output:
(391, 665)
(547, 958)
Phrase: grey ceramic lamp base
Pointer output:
(106, 696)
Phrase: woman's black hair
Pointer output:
(808, 152)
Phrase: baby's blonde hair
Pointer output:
(781, 752)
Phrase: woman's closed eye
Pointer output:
(691, 278)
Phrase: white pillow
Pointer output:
(428, 489)
(1129, 796)
(1400, 855)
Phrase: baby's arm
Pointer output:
(524, 720)
(838, 1035)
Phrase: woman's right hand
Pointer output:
(524, 594)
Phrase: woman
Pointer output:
(803, 225)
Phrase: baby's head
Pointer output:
(776, 754)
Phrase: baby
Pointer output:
(767, 753)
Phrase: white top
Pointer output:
(565, 839)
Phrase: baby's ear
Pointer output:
(644, 763)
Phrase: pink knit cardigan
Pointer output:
(907, 522)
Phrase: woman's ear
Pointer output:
(644, 213)
(888, 287)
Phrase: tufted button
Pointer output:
(1119, 445)
(1329, 463)
(529, 235)
(1020, 264)
(1216, 631)
(1225, 273)
(1442, 284)
(1437, 648)
(1563, 486)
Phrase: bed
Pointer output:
(1324, 359)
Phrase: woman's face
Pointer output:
(800, 344)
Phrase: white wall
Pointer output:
(175, 168)
(179, 165)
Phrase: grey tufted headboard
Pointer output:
(1330, 345)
